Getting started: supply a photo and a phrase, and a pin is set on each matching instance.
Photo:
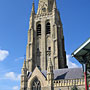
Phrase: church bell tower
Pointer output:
(45, 36)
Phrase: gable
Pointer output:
(37, 74)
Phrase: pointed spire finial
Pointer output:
(54, 4)
(24, 65)
(33, 10)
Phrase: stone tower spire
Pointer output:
(24, 77)
(45, 35)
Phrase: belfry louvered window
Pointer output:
(38, 29)
(48, 28)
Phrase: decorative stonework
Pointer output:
(69, 82)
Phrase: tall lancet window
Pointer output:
(48, 28)
(38, 29)
(36, 85)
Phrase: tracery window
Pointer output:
(36, 85)
(48, 28)
(38, 29)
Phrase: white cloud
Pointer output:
(3, 54)
(12, 76)
(20, 58)
(71, 64)
(15, 88)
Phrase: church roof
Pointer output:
(71, 73)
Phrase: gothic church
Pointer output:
(45, 67)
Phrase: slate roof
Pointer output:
(71, 73)
(68, 73)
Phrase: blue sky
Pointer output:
(14, 24)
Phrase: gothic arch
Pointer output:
(38, 28)
(36, 85)
(48, 27)
(33, 79)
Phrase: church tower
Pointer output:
(45, 35)
(45, 66)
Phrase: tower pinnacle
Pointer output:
(32, 16)
(24, 65)
(24, 76)
(33, 9)
(54, 5)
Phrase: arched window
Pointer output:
(36, 85)
(48, 28)
(38, 29)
